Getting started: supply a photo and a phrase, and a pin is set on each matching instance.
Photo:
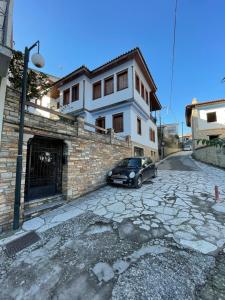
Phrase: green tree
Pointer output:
(38, 83)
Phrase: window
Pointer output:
(137, 83)
(146, 96)
(152, 135)
(108, 86)
(118, 122)
(211, 117)
(142, 91)
(213, 137)
(66, 97)
(122, 80)
(97, 90)
(100, 122)
(58, 105)
(138, 151)
(38, 101)
(75, 92)
(138, 125)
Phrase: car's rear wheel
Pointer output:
(155, 173)
(138, 182)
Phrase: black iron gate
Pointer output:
(44, 168)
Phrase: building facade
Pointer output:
(207, 120)
(120, 95)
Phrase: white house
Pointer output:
(119, 94)
(207, 119)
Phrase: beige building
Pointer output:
(207, 120)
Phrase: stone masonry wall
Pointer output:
(90, 155)
(211, 154)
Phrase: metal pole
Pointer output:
(182, 137)
(19, 160)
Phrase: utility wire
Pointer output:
(173, 56)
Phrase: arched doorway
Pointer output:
(44, 168)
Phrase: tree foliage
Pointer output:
(38, 83)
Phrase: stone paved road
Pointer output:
(151, 243)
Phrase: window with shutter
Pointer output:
(142, 91)
(146, 96)
(75, 92)
(138, 125)
(66, 97)
(118, 122)
(122, 80)
(97, 90)
(137, 83)
(100, 122)
(108, 86)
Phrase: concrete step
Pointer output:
(42, 207)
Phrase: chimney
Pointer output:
(194, 101)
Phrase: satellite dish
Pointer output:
(38, 60)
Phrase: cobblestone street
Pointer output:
(115, 234)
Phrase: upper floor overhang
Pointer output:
(133, 54)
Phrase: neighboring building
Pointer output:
(207, 120)
(185, 138)
(168, 139)
(6, 11)
(49, 100)
(120, 95)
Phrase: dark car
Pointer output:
(132, 171)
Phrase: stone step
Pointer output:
(36, 211)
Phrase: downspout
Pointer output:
(83, 94)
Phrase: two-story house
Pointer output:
(207, 120)
(119, 94)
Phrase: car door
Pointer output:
(146, 171)
(150, 167)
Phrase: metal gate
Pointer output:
(44, 168)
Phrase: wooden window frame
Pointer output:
(93, 87)
(137, 83)
(146, 97)
(213, 113)
(98, 130)
(105, 80)
(152, 135)
(139, 129)
(113, 122)
(119, 74)
(64, 92)
(78, 93)
(142, 90)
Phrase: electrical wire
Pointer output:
(173, 56)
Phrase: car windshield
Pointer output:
(130, 163)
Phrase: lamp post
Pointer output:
(38, 61)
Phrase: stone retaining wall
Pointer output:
(211, 154)
(90, 155)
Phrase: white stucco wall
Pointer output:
(220, 114)
(137, 96)
(146, 124)
(76, 105)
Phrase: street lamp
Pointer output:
(39, 62)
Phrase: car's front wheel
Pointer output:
(138, 182)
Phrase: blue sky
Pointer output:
(90, 32)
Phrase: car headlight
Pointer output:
(132, 174)
(110, 173)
